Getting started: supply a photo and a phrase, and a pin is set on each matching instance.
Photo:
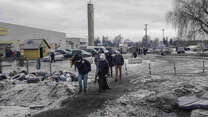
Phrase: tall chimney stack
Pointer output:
(90, 24)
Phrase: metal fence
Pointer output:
(8, 65)
(22, 64)
(17, 65)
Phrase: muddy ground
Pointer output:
(140, 94)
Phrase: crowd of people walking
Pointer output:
(104, 69)
(139, 51)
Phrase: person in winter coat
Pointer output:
(38, 65)
(140, 51)
(119, 62)
(137, 51)
(103, 73)
(109, 58)
(52, 55)
(84, 67)
(96, 61)
(144, 51)
(134, 54)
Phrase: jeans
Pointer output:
(84, 78)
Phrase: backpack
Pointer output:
(88, 65)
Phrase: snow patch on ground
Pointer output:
(19, 98)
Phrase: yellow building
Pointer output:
(36, 48)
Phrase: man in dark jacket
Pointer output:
(109, 58)
(52, 55)
(84, 67)
(144, 51)
(102, 73)
(134, 54)
(119, 62)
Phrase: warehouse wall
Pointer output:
(17, 32)
(75, 41)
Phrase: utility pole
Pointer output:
(146, 30)
(90, 10)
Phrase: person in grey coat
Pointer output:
(96, 61)
(103, 73)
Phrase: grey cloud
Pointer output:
(111, 16)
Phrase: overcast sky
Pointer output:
(112, 17)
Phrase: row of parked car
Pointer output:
(62, 54)
(179, 50)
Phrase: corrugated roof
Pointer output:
(34, 43)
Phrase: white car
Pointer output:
(85, 53)
(58, 57)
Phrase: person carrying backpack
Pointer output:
(84, 67)
(119, 62)
(103, 73)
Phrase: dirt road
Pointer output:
(84, 104)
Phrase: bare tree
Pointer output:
(146, 41)
(117, 40)
(156, 43)
(189, 17)
(97, 41)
